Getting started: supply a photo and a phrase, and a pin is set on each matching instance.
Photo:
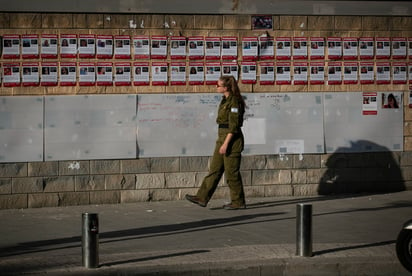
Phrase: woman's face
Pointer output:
(220, 88)
(391, 102)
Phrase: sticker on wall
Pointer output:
(141, 73)
(248, 72)
(196, 47)
(141, 47)
(262, 22)
(267, 73)
(350, 48)
(49, 78)
(122, 75)
(158, 48)
(196, 73)
(122, 47)
(230, 68)
(11, 74)
(68, 46)
(369, 103)
(104, 47)
(249, 48)
(399, 73)
(104, 74)
(266, 48)
(30, 46)
(213, 48)
(300, 48)
(317, 73)
(283, 74)
(382, 47)
(87, 46)
(87, 73)
(317, 48)
(283, 48)
(350, 72)
(383, 73)
(159, 73)
(48, 47)
(300, 73)
(178, 73)
(334, 47)
(11, 46)
(213, 72)
(30, 74)
(399, 50)
(229, 48)
(366, 74)
(366, 47)
(334, 73)
(68, 73)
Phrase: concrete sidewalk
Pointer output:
(351, 236)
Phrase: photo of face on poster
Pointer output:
(390, 100)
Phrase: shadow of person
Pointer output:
(364, 167)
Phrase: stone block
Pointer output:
(180, 180)
(104, 166)
(305, 190)
(43, 168)
(265, 177)
(293, 22)
(57, 20)
(237, 22)
(104, 197)
(278, 190)
(13, 169)
(406, 159)
(407, 173)
(43, 200)
(13, 201)
(376, 23)
(352, 23)
(408, 143)
(118, 21)
(166, 164)
(4, 20)
(321, 22)
(299, 176)
(208, 22)
(177, 21)
(402, 23)
(120, 182)
(88, 21)
(150, 181)
(5, 185)
(194, 164)
(27, 185)
(407, 129)
(315, 175)
(253, 162)
(164, 194)
(279, 162)
(254, 191)
(26, 21)
(73, 198)
(59, 184)
(89, 183)
(135, 165)
(128, 196)
(246, 178)
(306, 161)
(285, 177)
(74, 167)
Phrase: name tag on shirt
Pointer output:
(234, 110)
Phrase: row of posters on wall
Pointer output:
(200, 73)
(52, 46)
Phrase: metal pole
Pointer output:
(90, 240)
(304, 230)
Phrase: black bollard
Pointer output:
(90, 240)
(304, 230)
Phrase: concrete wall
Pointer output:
(61, 183)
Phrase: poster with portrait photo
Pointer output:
(122, 74)
(369, 103)
(350, 72)
(141, 47)
(283, 48)
(104, 75)
(48, 47)
(399, 47)
(366, 72)
(178, 47)
(177, 73)
(267, 73)
(196, 47)
(229, 47)
(266, 48)
(11, 74)
(410, 47)
(196, 73)
(87, 73)
(248, 72)
(49, 78)
(382, 47)
(350, 48)
(317, 48)
(213, 72)
(300, 48)
(158, 46)
(87, 46)
(159, 73)
(104, 46)
(262, 22)
(410, 96)
(399, 73)
(250, 48)
(334, 45)
(283, 74)
(366, 47)
(383, 73)
(334, 73)
(230, 68)
(317, 73)
(391, 100)
(68, 45)
(68, 73)
(300, 73)
(30, 74)
(30, 46)
(122, 49)
(213, 48)
(410, 72)
(141, 73)
(11, 46)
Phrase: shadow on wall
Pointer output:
(353, 170)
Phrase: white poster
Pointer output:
(141, 73)
(104, 74)
(283, 48)
(213, 72)
(399, 49)
(158, 48)
(230, 68)
(213, 48)
(350, 72)
(383, 73)
(366, 47)
(248, 72)
(283, 75)
(141, 47)
(178, 73)
(11, 74)
(300, 73)
(367, 72)
(196, 47)
(159, 73)
(267, 73)
(229, 47)
(317, 73)
(87, 73)
(178, 47)
(383, 47)
(122, 49)
(68, 73)
(334, 47)
(122, 76)
(334, 73)
(30, 46)
(266, 48)
(196, 73)
(68, 46)
(30, 74)
(49, 46)
(104, 47)
(49, 79)
(11, 46)
(317, 48)
(399, 73)
(350, 48)
(87, 46)
(369, 103)
(300, 48)
(249, 48)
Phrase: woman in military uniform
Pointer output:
(229, 146)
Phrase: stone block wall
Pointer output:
(63, 183)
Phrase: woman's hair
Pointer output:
(231, 84)
(395, 103)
